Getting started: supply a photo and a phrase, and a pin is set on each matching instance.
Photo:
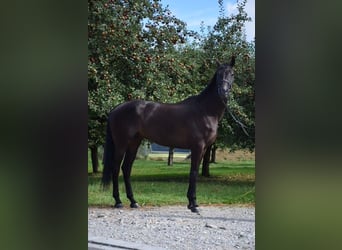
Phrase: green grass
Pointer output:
(156, 184)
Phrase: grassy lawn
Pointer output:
(156, 184)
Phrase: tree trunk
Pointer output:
(170, 159)
(205, 164)
(213, 154)
(94, 159)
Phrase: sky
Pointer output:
(194, 11)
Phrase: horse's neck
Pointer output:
(210, 101)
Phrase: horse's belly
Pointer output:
(167, 138)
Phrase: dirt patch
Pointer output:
(221, 155)
(238, 155)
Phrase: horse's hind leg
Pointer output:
(127, 167)
(117, 161)
(205, 164)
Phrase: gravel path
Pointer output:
(175, 227)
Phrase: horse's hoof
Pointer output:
(134, 205)
(193, 209)
(118, 205)
(192, 205)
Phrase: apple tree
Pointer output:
(132, 47)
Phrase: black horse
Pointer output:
(190, 124)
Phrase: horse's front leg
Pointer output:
(196, 156)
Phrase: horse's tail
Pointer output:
(108, 158)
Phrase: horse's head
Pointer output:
(225, 78)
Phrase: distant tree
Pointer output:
(170, 158)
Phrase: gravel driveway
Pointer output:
(175, 227)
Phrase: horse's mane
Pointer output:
(210, 87)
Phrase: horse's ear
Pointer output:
(232, 61)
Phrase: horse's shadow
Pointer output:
(175, 217)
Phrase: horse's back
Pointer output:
(177, 125)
